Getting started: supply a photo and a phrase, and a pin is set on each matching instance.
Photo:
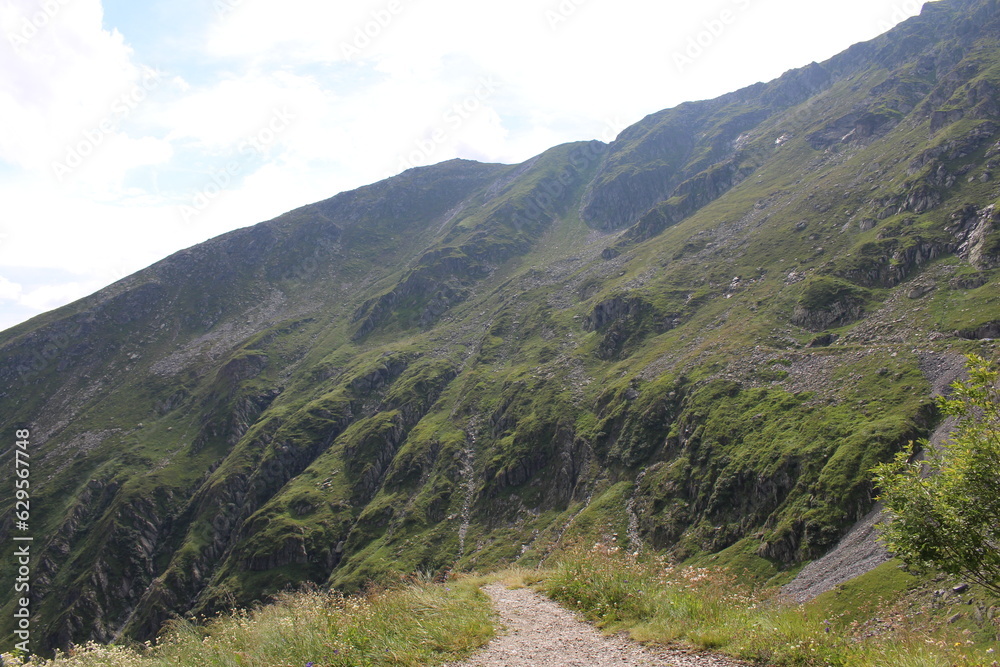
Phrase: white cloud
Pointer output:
(9, 291)
(58, 82)
(52, 296)
(76, 233)
(303, 99)
(101, 176)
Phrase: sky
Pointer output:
(135, 128)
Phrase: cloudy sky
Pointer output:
(132, 129)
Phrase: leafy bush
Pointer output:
(943, 510)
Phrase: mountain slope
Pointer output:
(698, 338)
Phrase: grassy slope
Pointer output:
(884, 617)
(415, 624)
(499, 408)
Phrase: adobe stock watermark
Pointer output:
(29, 28)
(22, 541)
(612, 128)
(553, 189)
(54, 348)
(900, 12)
(325, 248)
(250, 147)
(92, 139)
(366, 34)
(223, 8)
(711, 32)
(559, 14)
(451, 122)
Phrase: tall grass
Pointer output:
(661, 603)
(421, 624)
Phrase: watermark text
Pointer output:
(39, 20)
(451, 122)
(712, 30)
(558, 15)
(92, 139)
(366, 34)
(250, 147)
(22, 542)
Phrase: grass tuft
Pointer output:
(710, 609)
(422, 624)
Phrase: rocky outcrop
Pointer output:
(988, 331)
(689, 196)
(625, 318)
(616, 309)
(955, 148)
(381, 376)
(826, 303)
(241, 368)
(976, 233)
(839, 313)
(889, 262)
(134, 534)
(369, 456)
(944, 117)
(858, 126)
(934, 173)
(291, 551)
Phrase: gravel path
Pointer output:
(540, 633)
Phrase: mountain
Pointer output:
(696, 339)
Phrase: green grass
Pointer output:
(715, 609)
(884, 617)
(420, 624)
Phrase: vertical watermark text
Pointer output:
(22, 542)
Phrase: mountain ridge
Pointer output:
(697, 339)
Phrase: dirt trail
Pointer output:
(539, 633)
